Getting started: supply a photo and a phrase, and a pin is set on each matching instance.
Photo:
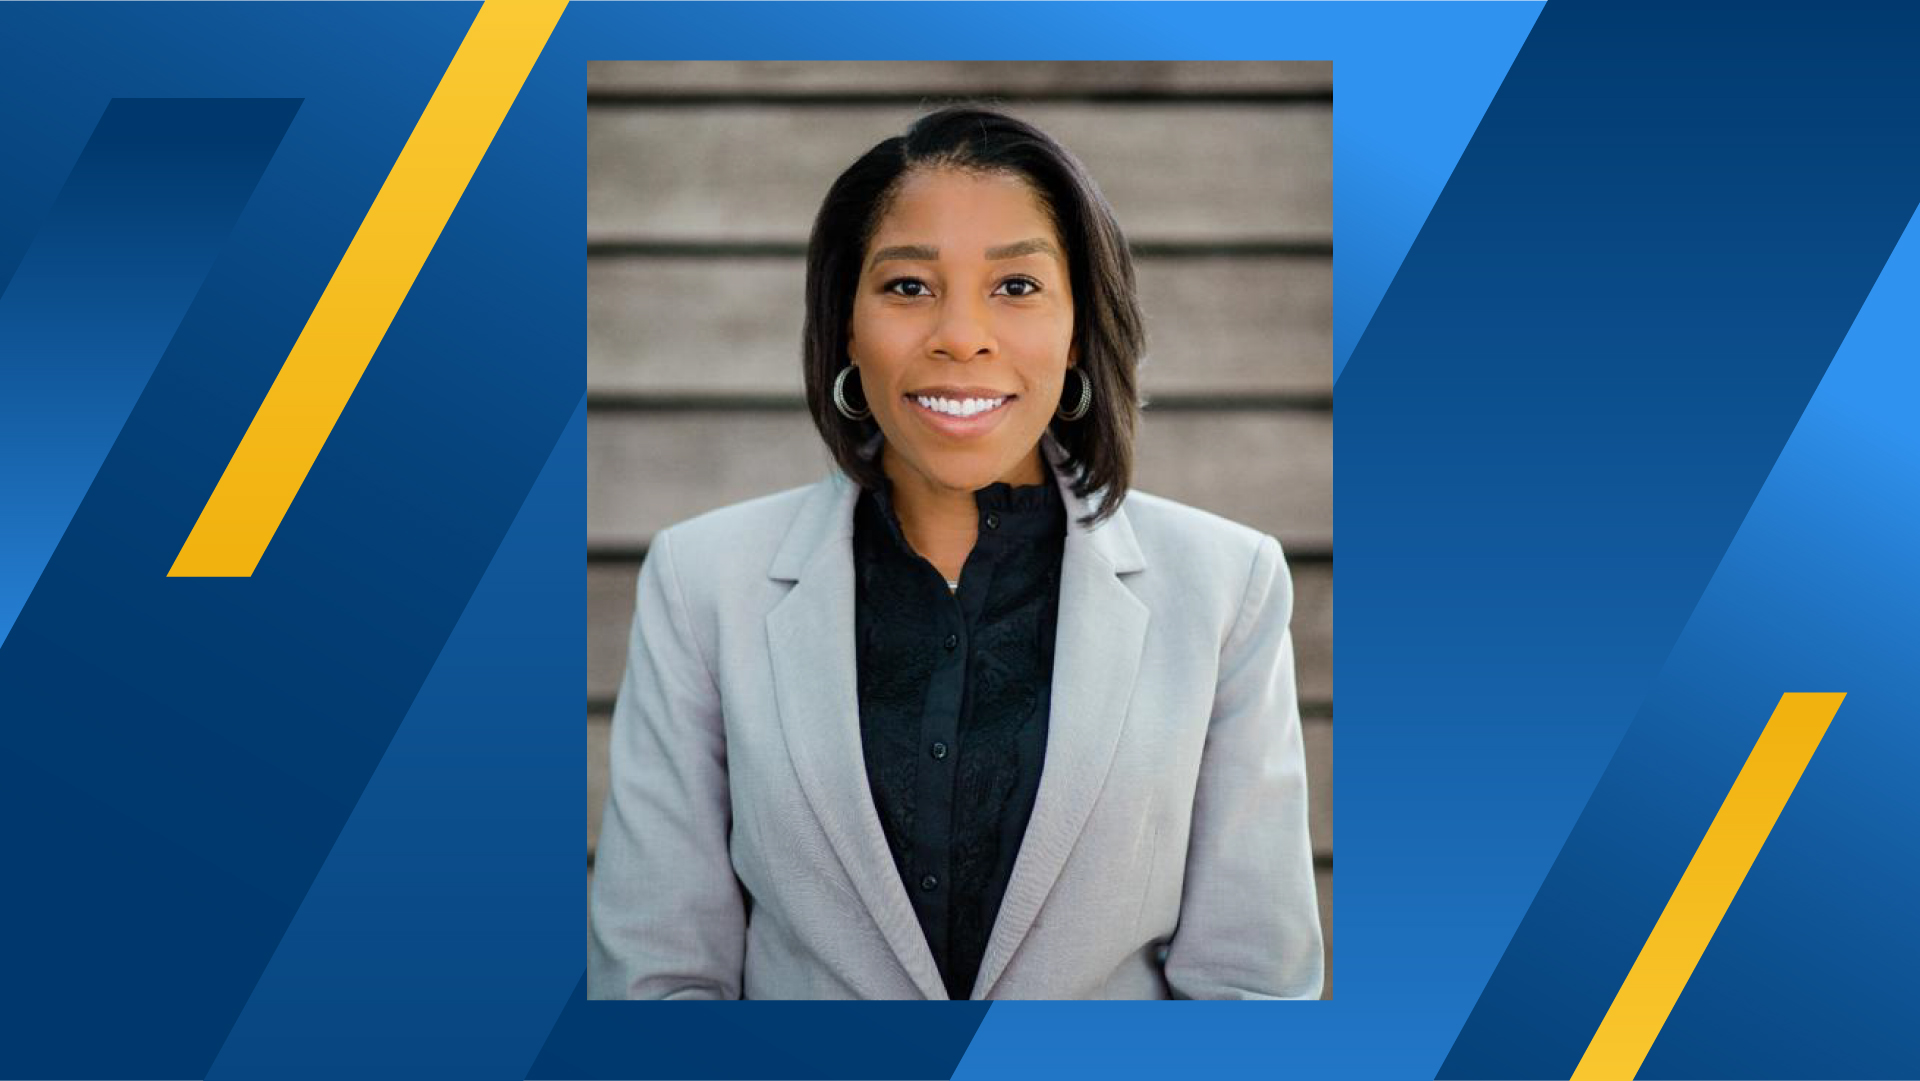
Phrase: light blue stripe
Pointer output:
(99, 294)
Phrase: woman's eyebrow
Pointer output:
(1032, 246)
(926, 253)
(920, 252)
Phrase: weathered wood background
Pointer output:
(703, 178)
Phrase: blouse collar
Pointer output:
(826, 517)
(1008, 511)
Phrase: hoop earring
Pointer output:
(1086, 398)
(840, 397)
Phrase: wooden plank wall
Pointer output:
(702, 181)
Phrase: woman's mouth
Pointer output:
(960, 415)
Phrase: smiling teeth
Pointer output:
(965, 407)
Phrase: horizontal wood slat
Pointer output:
(599, 736)
(1220, 173)
(1323, 885)
(1318, 735)
(775, 78)
(648, 471)
(645, 471)
(732, 325)
(1313, 630)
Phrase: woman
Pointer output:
(965, 719)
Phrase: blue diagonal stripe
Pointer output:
(451, 871)
(1409, 100)
(100, 293)
(1810, 974)
(1712, 236)
(1808, 597)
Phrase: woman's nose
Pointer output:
(962, 332)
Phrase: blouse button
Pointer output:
(953, 641)
(929, 883)
(993, 521)
(938, 750)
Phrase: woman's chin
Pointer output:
(965, 480)
(970, 469)
(961, 476)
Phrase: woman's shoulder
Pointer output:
(1202, 569)
(1172, 530)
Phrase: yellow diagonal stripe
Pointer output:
(367, 288)
(1720, 864)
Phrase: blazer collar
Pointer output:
(810, 635)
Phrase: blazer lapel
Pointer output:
(810, 635)
(1102, 631)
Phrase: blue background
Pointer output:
(1625, 337)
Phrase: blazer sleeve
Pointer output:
(668, 919)
(1249, 925)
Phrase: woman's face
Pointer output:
(963, 329)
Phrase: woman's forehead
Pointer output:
(965, 210)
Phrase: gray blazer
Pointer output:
(1167, 853)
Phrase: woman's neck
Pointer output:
(942, 523)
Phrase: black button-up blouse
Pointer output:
(954, 697)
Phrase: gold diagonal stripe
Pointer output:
(367, 288)
(1720, 864)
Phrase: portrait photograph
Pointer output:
(959, 530)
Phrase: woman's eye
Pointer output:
(907, 287)
(1020, 287)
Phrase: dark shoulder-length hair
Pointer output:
(1108, 335)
